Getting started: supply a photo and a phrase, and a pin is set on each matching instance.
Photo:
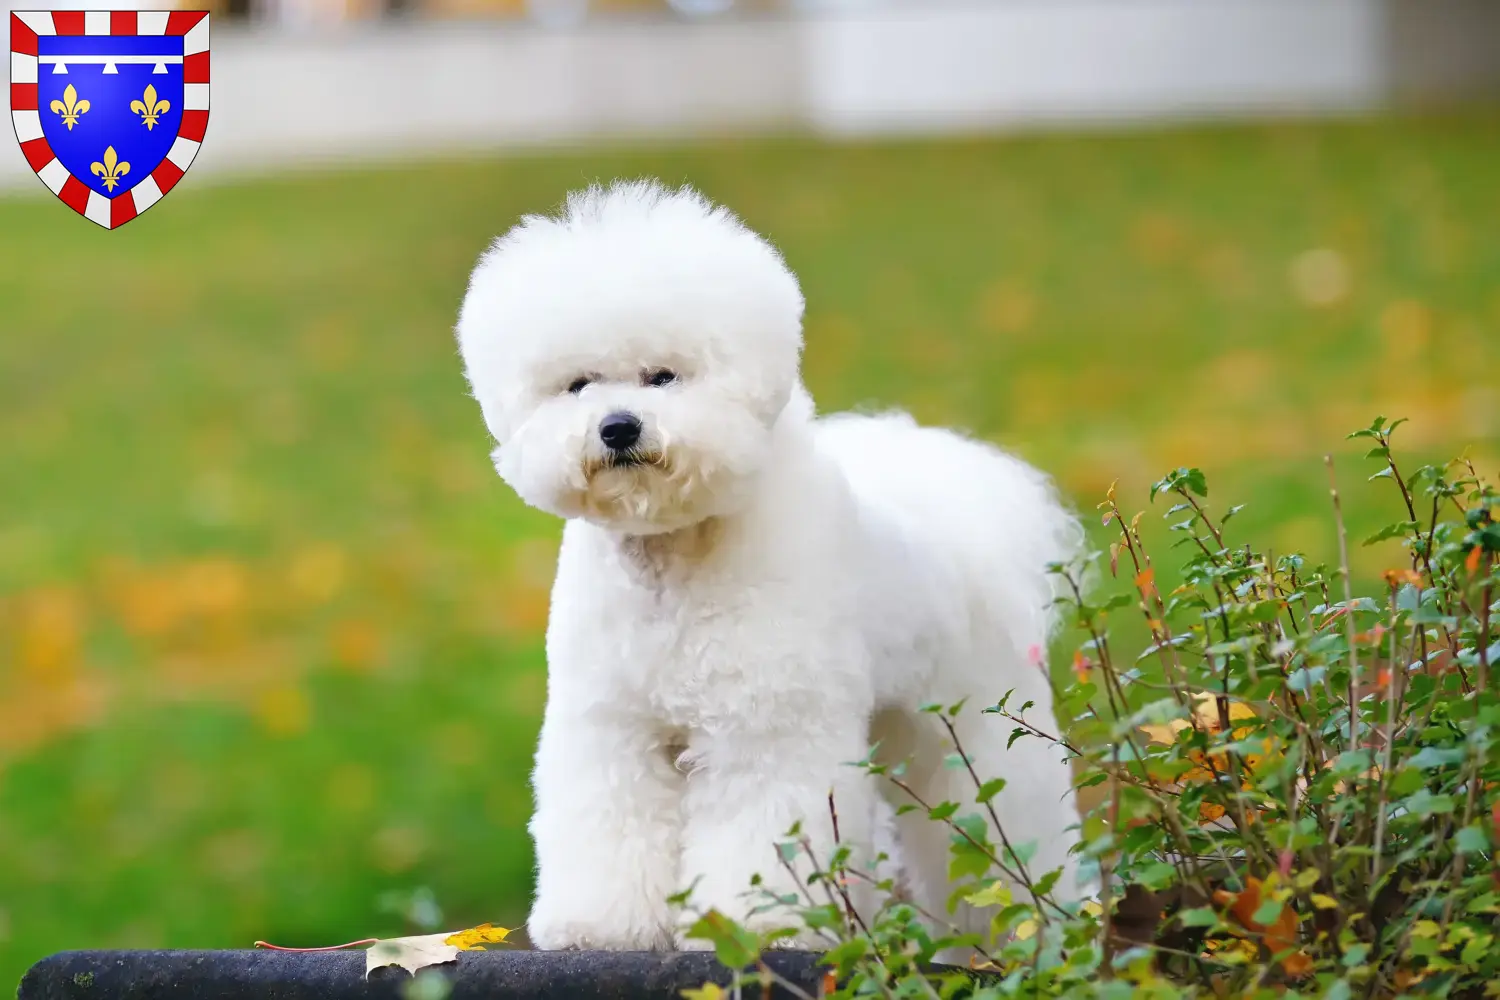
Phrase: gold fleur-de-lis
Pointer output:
(111, 170)
(70, 107)
(150, 109)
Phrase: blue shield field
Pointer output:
(103, 93)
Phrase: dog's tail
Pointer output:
(997, 524)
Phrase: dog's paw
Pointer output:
(606, 930)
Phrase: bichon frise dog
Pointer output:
(747, 597)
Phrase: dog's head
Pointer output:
(631, 356)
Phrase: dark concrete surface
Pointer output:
(493, 975)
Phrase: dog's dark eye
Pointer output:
(578, 384)
(659, 377)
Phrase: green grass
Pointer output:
(270, 627)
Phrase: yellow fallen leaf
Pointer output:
(1165, 733)
(1206, 711)
(475, 938)
(708, 991)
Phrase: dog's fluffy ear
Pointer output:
(629, 273)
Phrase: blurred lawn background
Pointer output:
(271, 628)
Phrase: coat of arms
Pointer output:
(110, 106)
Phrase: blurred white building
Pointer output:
(316, 80)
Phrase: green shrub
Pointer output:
(1294, 785)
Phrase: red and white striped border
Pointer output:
(26, 25)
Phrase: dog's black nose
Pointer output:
(620, 431)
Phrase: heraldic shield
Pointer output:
(110, 106)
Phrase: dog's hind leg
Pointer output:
(1034, 811)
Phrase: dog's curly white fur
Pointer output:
(747, 597)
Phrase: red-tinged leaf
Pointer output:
(1145, 581)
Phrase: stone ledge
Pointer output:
(494, 975)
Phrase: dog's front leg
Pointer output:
(607, 829)
(746, 790)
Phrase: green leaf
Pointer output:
(846, 953)
(942, 810)
(1431, 758)
(1044, 885)
(1471, 840)
(997, 893)
(1351, 762)
(1198, 916)
(1267, 912)
(966, 860)
(735, 946)
(827, 915)
(1397, 530)
(1304, 679)
(990, 789)
(1406, 781)
(1424, 803)
(1022, 853)
(1408, 598)
(1156, 875)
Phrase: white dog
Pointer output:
(747, 598)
